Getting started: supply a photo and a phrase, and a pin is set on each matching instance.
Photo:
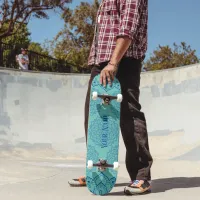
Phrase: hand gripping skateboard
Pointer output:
(103, 136)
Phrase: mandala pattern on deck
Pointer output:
(100, 184)
(112, 154)
(100, 116)
(92, 153)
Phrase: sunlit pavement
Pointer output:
(48, 179)
(42, 143)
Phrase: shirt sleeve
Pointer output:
(130, 11)
(19, 56)
(27, 58)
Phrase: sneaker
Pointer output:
(81, 182)
(138, 187)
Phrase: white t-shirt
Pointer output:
(22, 58)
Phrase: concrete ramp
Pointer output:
(170, 100)
(42, 114)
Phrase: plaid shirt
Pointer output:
(117, 18)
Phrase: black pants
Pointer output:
(133, 122)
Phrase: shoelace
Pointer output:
(135, 182)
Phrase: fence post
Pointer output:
(1, 54)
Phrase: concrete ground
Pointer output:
(48, 179)
(42, 143)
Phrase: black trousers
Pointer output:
(133, 122)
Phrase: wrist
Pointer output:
(115, 64)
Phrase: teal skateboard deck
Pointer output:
(103, 136)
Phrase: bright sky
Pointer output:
(169, 21)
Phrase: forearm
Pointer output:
(122, 46)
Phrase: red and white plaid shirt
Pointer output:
(117, 18)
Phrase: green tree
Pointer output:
(166, 57)
(39, 57)
(74, 41)
(13, 45)
(36, 47)
(20, 39)
(15, 13)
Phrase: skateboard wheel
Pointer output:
(90, 164)
(119, 98)
(116, 166)
(94, 95)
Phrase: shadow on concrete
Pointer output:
(121, 184)
(162, 185)
(165, 184)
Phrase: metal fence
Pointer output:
(7, 55)
(37, 61)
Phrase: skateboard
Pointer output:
(103, 136)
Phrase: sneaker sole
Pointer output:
(128, 193)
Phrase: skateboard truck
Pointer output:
(102, 165)
(107, 98)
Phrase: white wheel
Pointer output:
(116, 166)
(90, 164)
(94, 95)
(119, 98)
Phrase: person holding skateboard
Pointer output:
(118, 49)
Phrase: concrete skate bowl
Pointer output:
(42, 114)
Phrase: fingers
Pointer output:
(108, 77)
(112, 75)
(105, 77)
(101, 78)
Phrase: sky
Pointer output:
(169, 21)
